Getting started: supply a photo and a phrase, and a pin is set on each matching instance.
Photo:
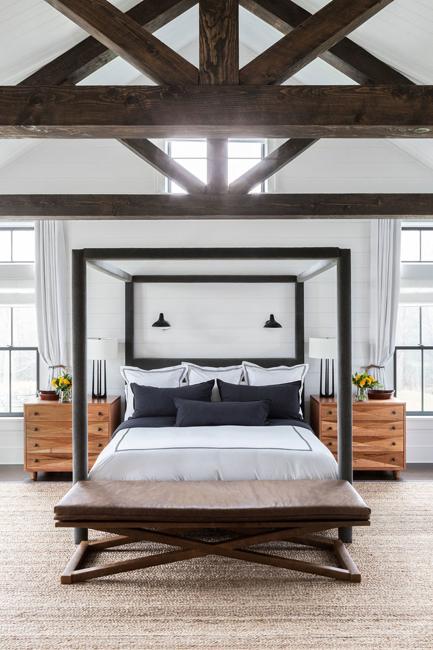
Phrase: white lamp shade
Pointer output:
(102, 349)
(322, 348)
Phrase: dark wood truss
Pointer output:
(217, 100)
(215, 206)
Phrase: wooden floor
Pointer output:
(414, 472)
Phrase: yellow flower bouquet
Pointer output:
(63, 386)
(363, 381)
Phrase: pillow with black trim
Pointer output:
(283, 398)
(199, 414)
(150, 401)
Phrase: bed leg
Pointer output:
(345, 535)
(81, 535)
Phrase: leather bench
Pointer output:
(248, 512)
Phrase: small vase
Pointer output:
(65, 396)
(361, 394)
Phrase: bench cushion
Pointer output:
(212, 501)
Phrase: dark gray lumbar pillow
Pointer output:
(197, 414)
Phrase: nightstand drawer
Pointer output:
(47, 412)
(368, 444)
(98, 429)
(379, 461)
(374, 412)
(374, 429)
(98, 413)
(54, 462)
(53, 428)
(61, 445)
(38, 429)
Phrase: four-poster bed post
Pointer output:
(79, 360)
(344, 340)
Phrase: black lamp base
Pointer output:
(99, 379)
(327, 378)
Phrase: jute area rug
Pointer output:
(217, 602)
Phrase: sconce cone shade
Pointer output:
(161, 322)
(272, 322)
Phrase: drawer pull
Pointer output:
(100, 413)
(36, 413)
(100, 444)
(99, 428)
(393, 444)
(392, 460)
(329, 428)
(36, 444)
(36, 460)
(329, 412)
(394, 412)
(393, 428)
(35, 428)
(329, 444)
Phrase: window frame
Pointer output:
(169, 181)
(419, 229)
(13, 229)
(17, 348)
(421, 348)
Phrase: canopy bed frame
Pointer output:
(323, 259)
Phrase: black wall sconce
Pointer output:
(161, 322)
(272, 323)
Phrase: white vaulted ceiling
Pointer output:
(33, 33)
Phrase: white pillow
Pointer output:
(198, 374)
(160, 377)
(257, 376)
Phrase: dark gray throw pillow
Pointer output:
(150, 401)
(198, 414)
(284, 398)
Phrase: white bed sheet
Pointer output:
(215, 453)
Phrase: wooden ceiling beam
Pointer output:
(306, 42)
(219, 41)
(90, 55)
(124, 36)
(219, 65)
(269, 166)
(210, 111)
(165, 164)
(216, 206)
(346, 56)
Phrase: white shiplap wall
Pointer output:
(104, 166)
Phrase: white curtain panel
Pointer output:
(51, 292)
(385, 288)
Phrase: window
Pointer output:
(413, 359)
(19, 359)
(192, 154)
(17, 244)
(417, 244)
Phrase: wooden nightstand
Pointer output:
(48, 433)
(379, 432)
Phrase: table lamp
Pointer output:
(324, 349)
(99, 350)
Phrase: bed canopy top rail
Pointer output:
(325, 258)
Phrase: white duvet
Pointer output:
(215, 453)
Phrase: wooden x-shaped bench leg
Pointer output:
(189, 548)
